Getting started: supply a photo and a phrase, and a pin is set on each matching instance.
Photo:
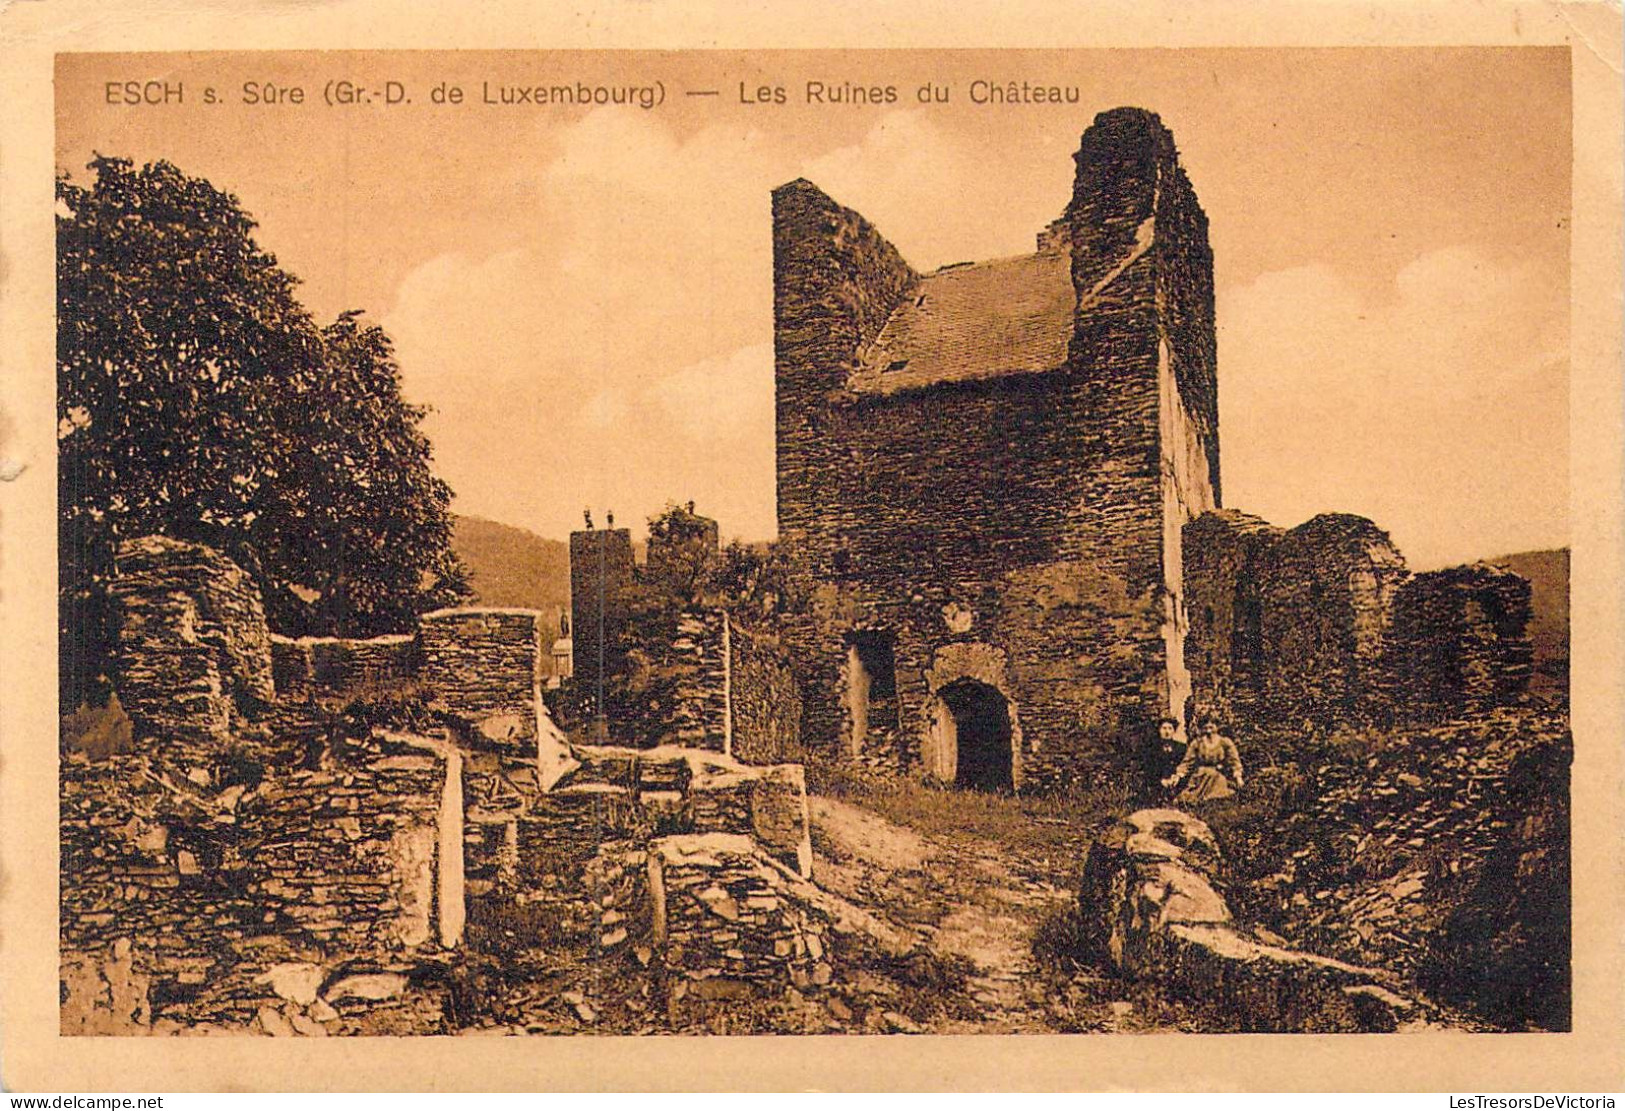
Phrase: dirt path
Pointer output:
(964, 897)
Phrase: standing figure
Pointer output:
(1209, 759)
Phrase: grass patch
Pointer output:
(1039, 828)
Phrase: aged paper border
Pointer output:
(34, 1058)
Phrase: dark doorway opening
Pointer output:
(871, 687)
(982, 736)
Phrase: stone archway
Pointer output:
(970, 691)
(972, 737)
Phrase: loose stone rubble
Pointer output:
(221, 880)
(1443, 856)
(1150, 909)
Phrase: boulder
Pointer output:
(1152, 909)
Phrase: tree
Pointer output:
(198, 398)
(359, 534)
(682, 553)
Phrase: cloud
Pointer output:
(721, 398)
(931, 192)
(622, 336)
(1437, 404)
(620, 342)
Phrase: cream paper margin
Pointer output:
(34, 1058)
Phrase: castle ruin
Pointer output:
(1004, 477)
(990, 467)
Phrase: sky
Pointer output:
(583, 295)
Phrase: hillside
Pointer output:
(511, 566)
(1548, 575)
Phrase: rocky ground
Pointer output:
(1440, 853)
(1370, 854)
(979, 929)
(999, 915)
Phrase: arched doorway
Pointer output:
(978, 719)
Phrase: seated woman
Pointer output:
(1203, 770)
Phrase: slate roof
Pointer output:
(975, 320)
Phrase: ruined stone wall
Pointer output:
(327, 667)
(713, 686)
(1326, 599)
(484, 666)
(1224, 553)
(1459, 641)
(193, 653)
(560, 862)
(835, 282)
(697, 665)
(601, 575)
(1023, 513)
(1323, 624)
(675, 689)
(763, 698)
(723, 922)
(318, 888)
(690, 790)
(241, 904)
(348, 854)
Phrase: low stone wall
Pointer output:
(184, 905)
(328, 667)
(691, 791)
(349, 855)
(724, 921)
(485, 667)
(193, 654)
(1149, 909)
(769, 804)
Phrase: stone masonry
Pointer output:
(314, 667)
(1324, 624)
(1459, 642)
(250, 901)
(601, 575)
(723, 688)
(234, 886)
(193, 652)
(485, 666)
(988, 468)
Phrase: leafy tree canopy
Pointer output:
(198, 398)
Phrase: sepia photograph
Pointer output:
(1081, 566)
(613, 552)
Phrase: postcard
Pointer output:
(611, 547)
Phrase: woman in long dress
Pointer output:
(1211, 764)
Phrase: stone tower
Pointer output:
(601, 569)
(987, 469)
